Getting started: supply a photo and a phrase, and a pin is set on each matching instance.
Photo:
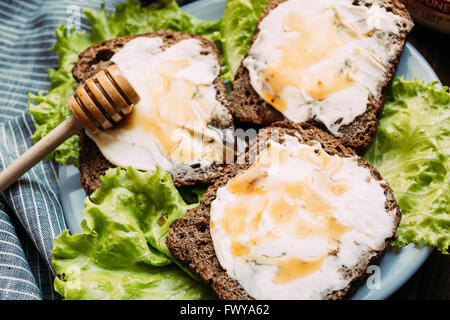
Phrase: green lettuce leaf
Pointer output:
(411, 151)
(237, 29)
(192, 195)
(131, 19)
(121, 253)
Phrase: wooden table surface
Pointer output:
(432, 280)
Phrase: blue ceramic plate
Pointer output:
(396, 267)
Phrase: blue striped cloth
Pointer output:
(31, 214)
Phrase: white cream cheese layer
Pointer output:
(322, 59)
(286, 227)
(169, 125)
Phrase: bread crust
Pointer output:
(247, 106)
(190, 240)
(92, 163)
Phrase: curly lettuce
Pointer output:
(121, 253)
(411, 150)
(238, 26)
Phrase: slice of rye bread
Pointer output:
(190, 241)
(247, 106)
(92, 163)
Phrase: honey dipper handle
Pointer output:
(38, 151)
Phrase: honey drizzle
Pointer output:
(173, 114)
(303, 51)
(258, 194)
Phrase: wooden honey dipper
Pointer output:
(99, 104)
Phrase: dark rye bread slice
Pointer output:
(190, 241)
(92, 163)
(247, 106)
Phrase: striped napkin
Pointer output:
(31, 214)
